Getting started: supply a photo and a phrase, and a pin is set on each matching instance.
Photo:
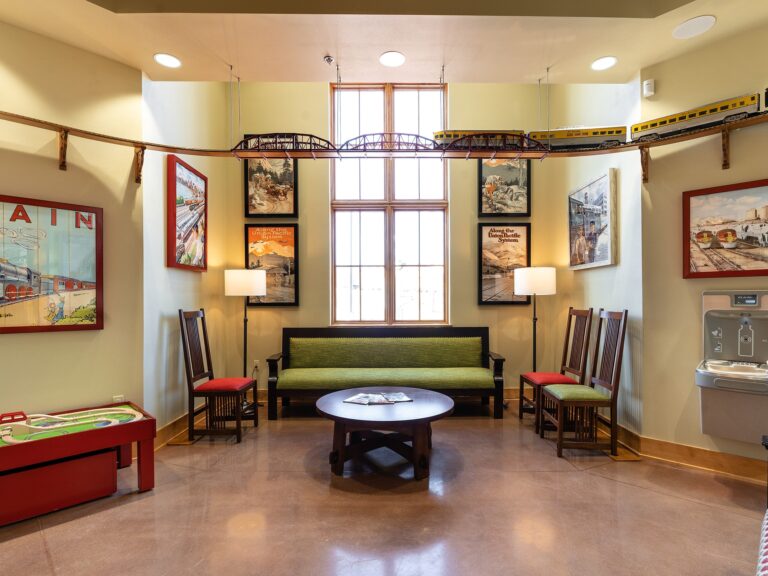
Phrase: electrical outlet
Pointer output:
(118, 398)
(257, 364)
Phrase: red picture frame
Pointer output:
(186, 244)
(726, 236)
(39, 279)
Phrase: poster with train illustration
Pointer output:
(187, 208)
(725, 231)
(274, 249)
(50, 266)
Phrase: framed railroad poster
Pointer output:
(186, 244)
(504, 187)
(501, 249)
(271, 187)
(274, 248)
(725, 231)
(592, 223)
(51, 272)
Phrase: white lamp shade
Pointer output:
(539, 280)
(245, 282)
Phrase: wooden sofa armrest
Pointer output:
(272, 363)
(498, 363)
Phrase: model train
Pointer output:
(19, 282)
(720, 112)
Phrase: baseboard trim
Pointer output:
(170, 431)
(729, 464)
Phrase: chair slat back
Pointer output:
(197, 354)
(575, 356)
(606, 365)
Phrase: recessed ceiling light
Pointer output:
(167, 60)
(604, 63)
(694, 27)
(392, 59)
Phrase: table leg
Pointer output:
(420, 451)
(337, 456)
(124, 456)
(146, 465)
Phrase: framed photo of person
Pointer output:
(271, 187)
(274, 248)
(725, 231)
(501, 249)
(592, 223)
(51, 266)
(186, 244)
(504, 187)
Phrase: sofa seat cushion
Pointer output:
(578, 393)
(546, 378)
(342, 378)
(225, 385)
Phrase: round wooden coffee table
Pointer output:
(366, 425)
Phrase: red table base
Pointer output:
(41, 476)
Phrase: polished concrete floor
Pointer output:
(498, 502)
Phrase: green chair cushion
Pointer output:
(575, 393)
(342, 378)
(445, 352)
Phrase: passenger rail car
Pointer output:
(702, 117)
(479, 138)
(570, 138)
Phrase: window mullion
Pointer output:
(389, 265)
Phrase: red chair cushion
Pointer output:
(545, 378)
(225, 385)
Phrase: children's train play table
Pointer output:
(52, 461)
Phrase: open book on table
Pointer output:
(380, 398)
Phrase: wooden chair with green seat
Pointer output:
(576, 406)
(225, 398)
(573, 367)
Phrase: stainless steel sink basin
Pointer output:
(734, 369)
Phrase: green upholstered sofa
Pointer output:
(454, 361)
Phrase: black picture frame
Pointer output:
(487, 207)
(495, 282)
(281, 265)
(271, 199)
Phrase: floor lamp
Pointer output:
(535, 281)
(245, 283)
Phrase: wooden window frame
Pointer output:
(389, 205)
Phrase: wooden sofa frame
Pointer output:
(386, 332)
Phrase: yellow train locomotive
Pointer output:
(712, 114)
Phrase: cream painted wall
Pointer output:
(497, 106)
(49, 80)
(672, 328)
(284, 107)
(194, 114)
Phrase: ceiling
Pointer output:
(481, 47)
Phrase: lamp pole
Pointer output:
(535, 319)
(245, 337)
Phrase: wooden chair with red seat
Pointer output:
(574, 363)
(576, 406)
(225, 398)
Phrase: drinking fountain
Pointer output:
(733, 376)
